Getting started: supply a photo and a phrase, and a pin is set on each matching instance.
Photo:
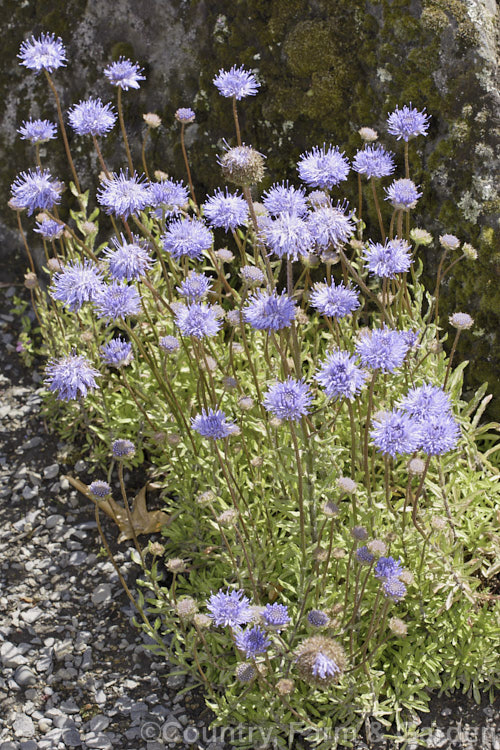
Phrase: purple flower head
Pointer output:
(229, 608)
(212, 424)
(323, 167)
(407, 123)
(123, 195)
(403, 194)
(283, 197)
(449, 241)
(388, 567)
(364, 556)
(117, 301)
(394, 589)
(35, 190)
(198, 320)
(276, 616)
(49, 229)
(122, 448)
(187, 237)
(268, 311)
(45, 53)
(168, 198)
(289, 399)
(439, 434)
(38, 131)
(389, 259)
(70, 377)
(334, 300)
(340, 376)
(251, 275)
(396, 433)
(91, 117)
(324, 667)
(236, 82)
(226, 210)
(374, 161)
(130, 260)
(100, 488)
(195, 287)
(78, 282)
(424, 401)
(170, 344)
(382, 349)
(331, 225)
(252, 641)
(117, 352)
(411, 337)
(125, 74)
(317, 618)
(185, 115)
(287, 235)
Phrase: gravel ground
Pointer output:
(75, 672)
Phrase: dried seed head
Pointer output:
(243, 166)
(301, 317)
(407, 577)
(176, 565)
(320, 660)
(30, 280)
(245, 672)
(320, 554)
(416, 466)
(228, 517)
(338, 553)
(205, 498)
(152, 120)
(275, 422)
(421, 237)
(330, 509)
(202, 621)
(469, 251)
(238, 348)
(173, 439)
(368, 135)
(246, 403)
(285, 687)
(449, 241)
(224, 255)
(87, 336)
(160, 176)
(88, 227)
(398, 626)
(347, 485)
(359, 533)
(438, 523)
(186, 608)
(53, 264)
(155, 548)
(257, 461)
(377, 547)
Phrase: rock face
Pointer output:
(326, 68)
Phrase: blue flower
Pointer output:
(389, 259)
(317, 618)
(38, 131)
(252, 641)
(170, 343)
(276, 616)
(187, 237)
(424, 401)
(323, 167)
(364, 556)
(324, 667)
(45, 53)
(388, 567)
(70, 377)
(374, 161)
(212, 424)
(100, 488)
(122, 448)
(382, 349)
(229, 608)
(396, 433)
(195, 287)
(331, 225)
(78, 282)
(334, 300)
(130, 260)
(287, 235)
(49, 229)
(236, 82)
(407, 123)
(123, 195)
(440, 434)
(185, 115)
(197, 320)
(91, 117)
(35, 190)
(117, 301)
(403, 194)
(289, 399)
(117, 352)
(283, 197)
(228, 210)
(125, 74)
(168, 198)
(394, 589)
(340, 376)
(268, 311)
